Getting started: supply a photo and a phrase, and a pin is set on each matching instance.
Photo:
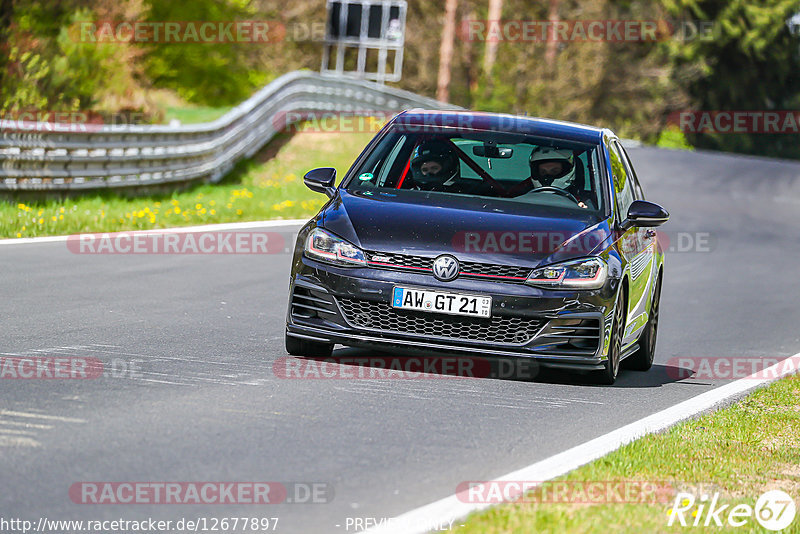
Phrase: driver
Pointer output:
(550, 167)
(434, 166)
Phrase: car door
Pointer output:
(632, 244)
(647, 238)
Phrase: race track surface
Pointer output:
(203, 404)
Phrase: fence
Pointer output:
(45, 157)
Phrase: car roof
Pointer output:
(501, 122)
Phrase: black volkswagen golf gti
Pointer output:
(483, 233)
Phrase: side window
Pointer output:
(637, 188)
(622, 182)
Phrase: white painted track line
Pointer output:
(176, 230)
(451, 509)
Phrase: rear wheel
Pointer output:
(608, 375)
(303, 347)
(642, 359)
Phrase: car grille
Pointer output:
(381, 316)
(402, 262)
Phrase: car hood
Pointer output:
(475, 229)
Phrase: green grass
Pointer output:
(741, 451)
(194, 114)
(672, 137)
(269, 186)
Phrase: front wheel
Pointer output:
(608, 375)
(303, 347)
(642, 359)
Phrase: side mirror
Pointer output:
(644, 214)
(321, 180)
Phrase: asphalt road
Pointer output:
(202, 404)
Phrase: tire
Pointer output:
(302, 347)
(642, 359)
(608, 375)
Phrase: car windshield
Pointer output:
(505, 166)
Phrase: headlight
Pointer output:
(324, 246)
(589, 273)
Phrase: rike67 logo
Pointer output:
(774, 510)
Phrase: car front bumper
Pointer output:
(351, 306)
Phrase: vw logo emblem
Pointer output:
(445, 268)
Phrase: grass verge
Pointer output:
(194, 114)
(741, 452)
(269, 186)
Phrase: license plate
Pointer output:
(408, 298)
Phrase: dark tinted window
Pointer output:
(508, 166)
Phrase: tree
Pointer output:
(446, 50)
(750, 62)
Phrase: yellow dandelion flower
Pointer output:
(177, 210)
(21, 206)
(212, 203)
(198, 206)
(174, 202)
(61, 217)
(19, 234)
(213, 212)
(229, 205)
(41, 221)
(202, 211)
(158, 204)
(61, 210)
(238, 212)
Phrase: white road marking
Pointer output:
(450, 509)
(177, 230)
(8, 441)
(11, 413)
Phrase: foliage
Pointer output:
(748, 62)
(751, 62)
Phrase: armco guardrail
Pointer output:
(49, 157)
